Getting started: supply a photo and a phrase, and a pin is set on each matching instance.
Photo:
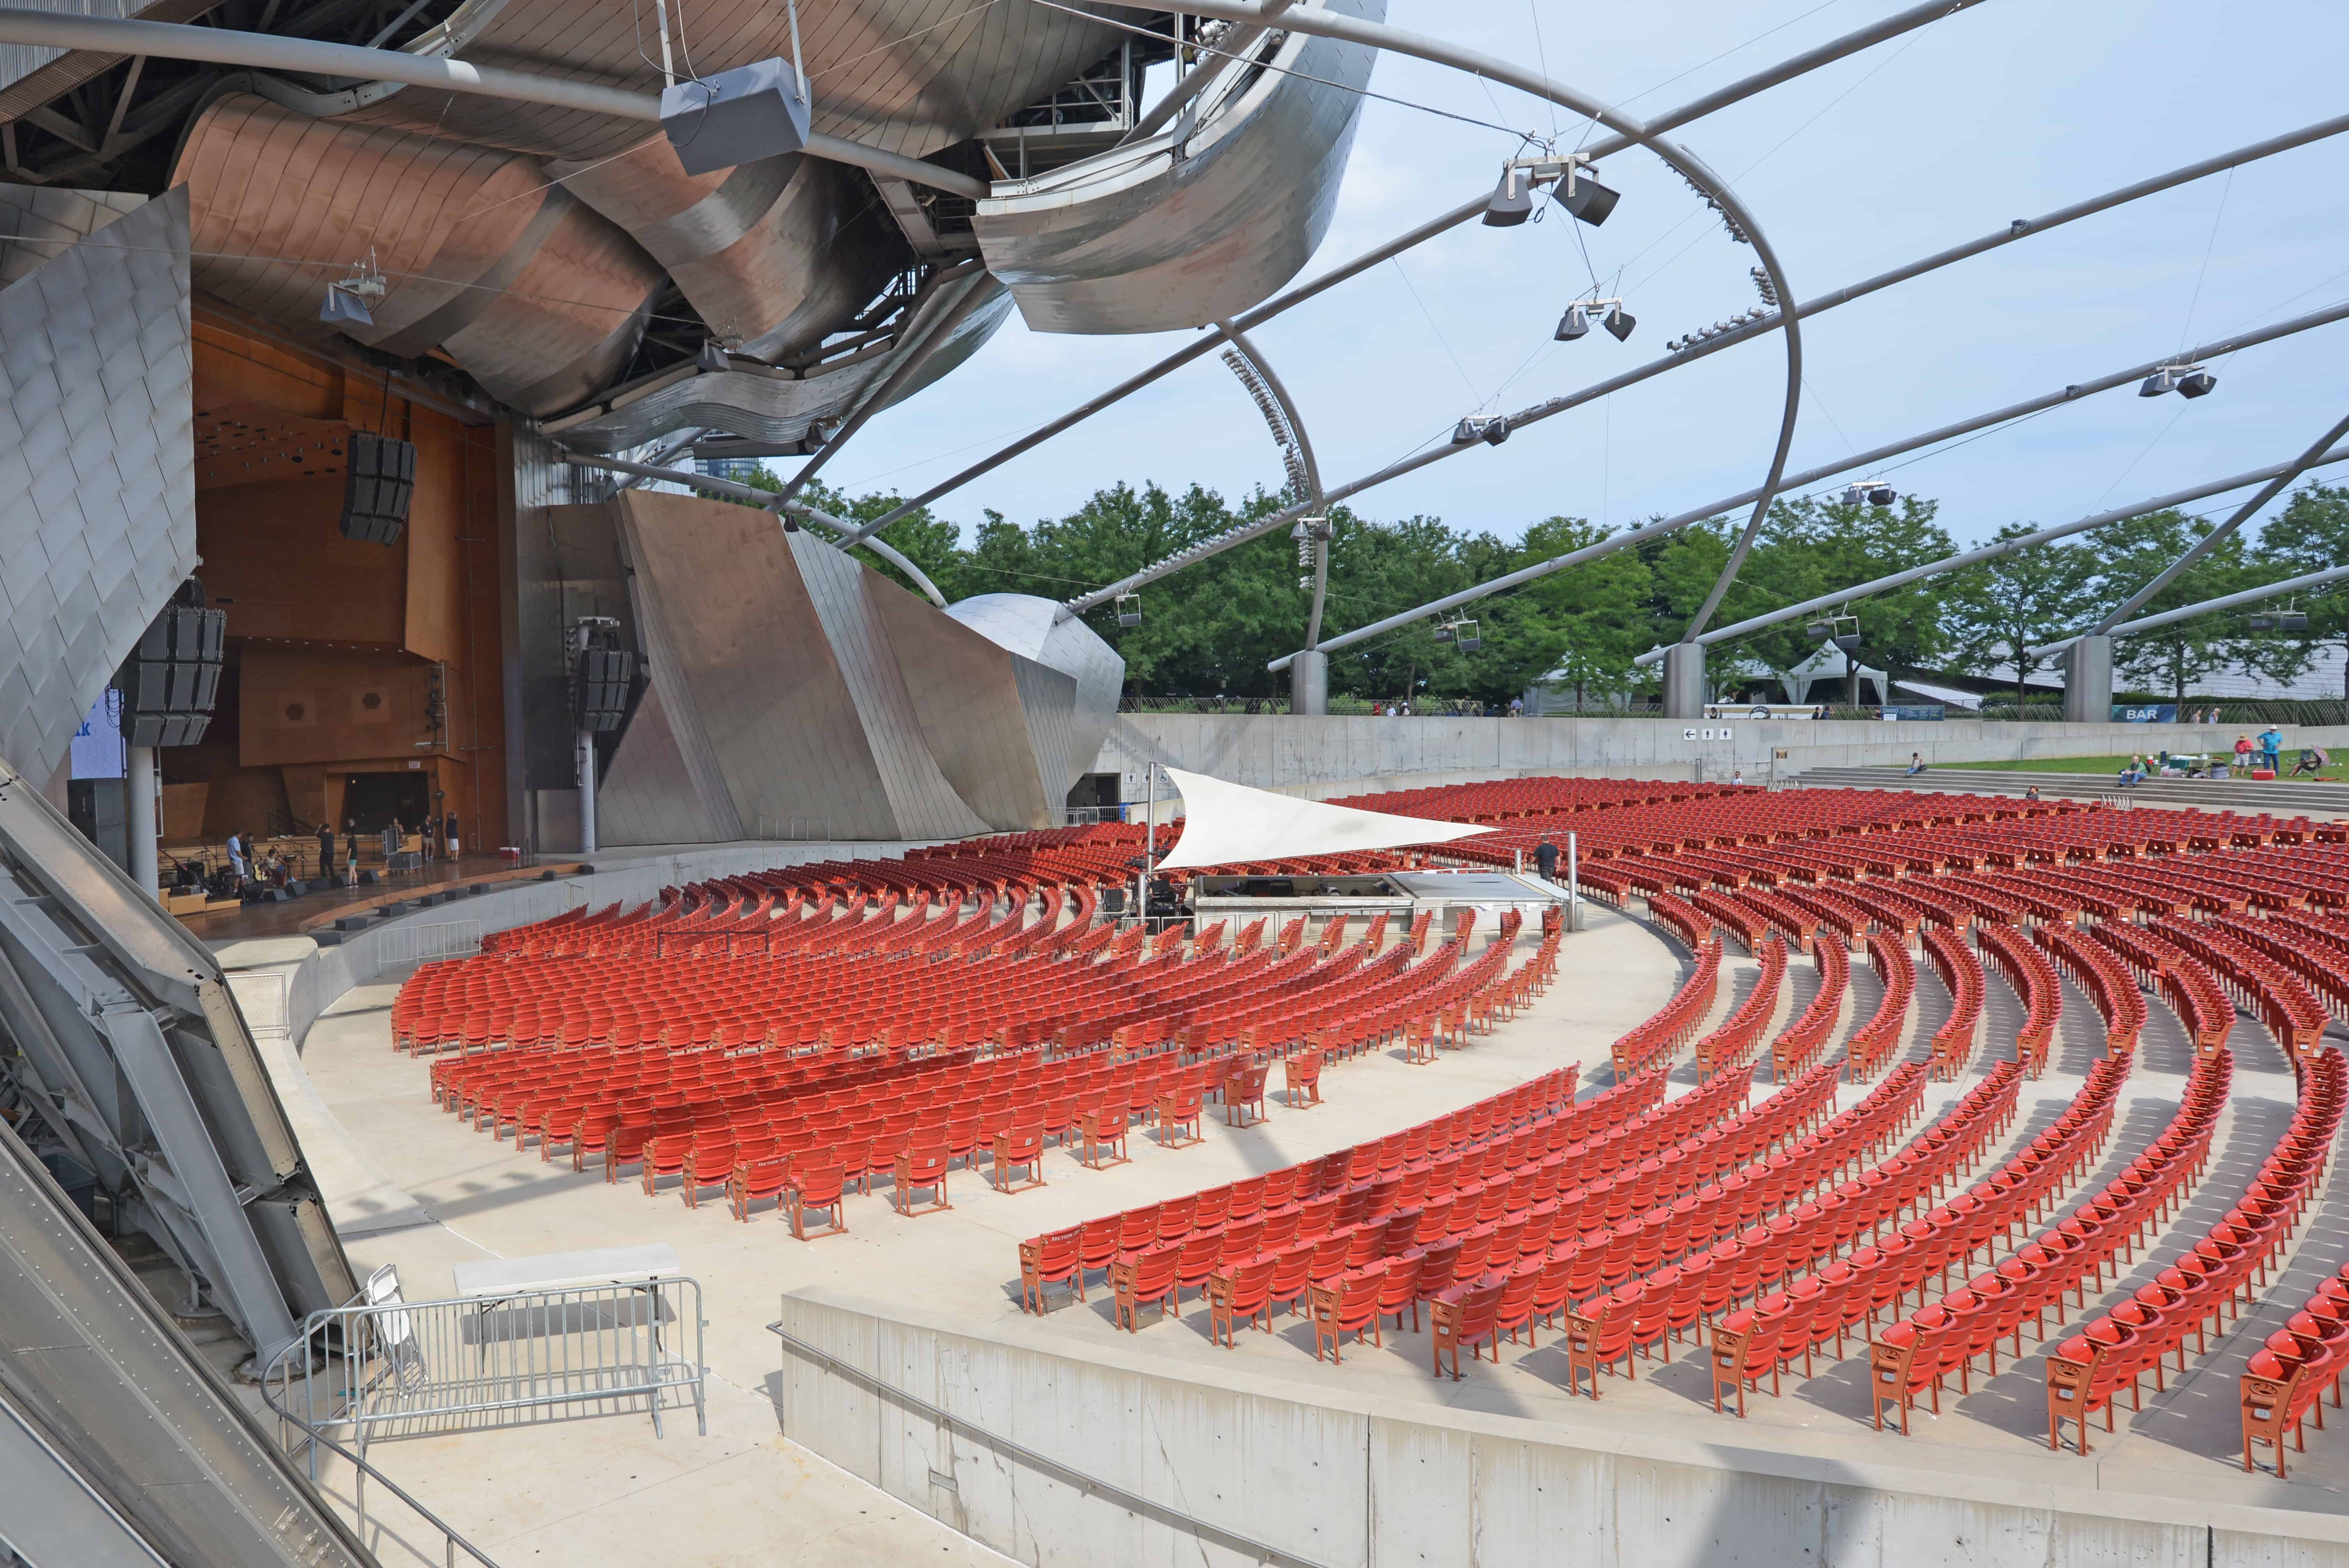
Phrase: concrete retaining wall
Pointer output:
(1366, 1480)
(1337, 756)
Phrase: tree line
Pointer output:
(1209, 630)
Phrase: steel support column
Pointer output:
(586, 758)
(139, 824)
(2088, 681)
(1308, 682)
(1685, 693)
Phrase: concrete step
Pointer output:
(2282, 798)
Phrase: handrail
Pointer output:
(451, 1543)
(1133, 1502)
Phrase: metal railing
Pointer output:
(451, 1543)
(381, 1368)
(401, 943)
(1092, 1486)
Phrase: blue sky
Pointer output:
(2005, 111)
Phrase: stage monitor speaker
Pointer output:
(602, 685)
(377, 485)
(172, 678)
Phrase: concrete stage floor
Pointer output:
(605, 1487)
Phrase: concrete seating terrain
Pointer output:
(1756, 1174)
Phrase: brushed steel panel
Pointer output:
(907, 75)
(764, 252)
(1137, 240)
(1027, 627)
(1048, 706)
(536, 294)
(966, 698)
(98, 521)
(650, 796)
(767, 408)
(924, 805)
(43, 221)
(749, 679)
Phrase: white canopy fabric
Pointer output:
(1229, 824)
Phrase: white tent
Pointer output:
(1230, 824)
(1829, 664)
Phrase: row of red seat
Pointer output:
(1348, 1190)
(1873, 1042)
(1962, 973)
(1916, 1354)
(1770, 1243)
(2267, 989)
(2286, 1380)
(1732, 1046)
(2116, 1349)
(2027, 969)
(2191, 990)
(2107, 981)
(1661, 1036)
(1801, 1042)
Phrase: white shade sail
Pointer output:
(1231, 824)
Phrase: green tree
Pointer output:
(2311, 534)
(2130, 554)
(1997, 610)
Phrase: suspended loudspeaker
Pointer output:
(604, 678)
(376, 488)
(172, 678)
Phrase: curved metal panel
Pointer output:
(767, 253)
(531, 291)
(776, 678)
(970, 701)
(1025, 625)
(906, 76)
(97, 497)
(1140, 239)
(767, 408)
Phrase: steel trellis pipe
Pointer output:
(1994, 551)
(920, 340)
(1964, 427)
(2021, 228)
(2210, 540)
(1397, 40)
(1734, 92)
(2211, 606)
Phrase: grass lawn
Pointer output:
(2337, 773)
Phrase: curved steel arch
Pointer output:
(1745, 87)
(1398, 40)
(1312, 496)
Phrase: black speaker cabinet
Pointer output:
(603, 680)
(172, 678)
(376, 488)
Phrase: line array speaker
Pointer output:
(170, 680)
(377, 487)
(602, 680)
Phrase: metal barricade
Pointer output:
(383, 1368)
(400, 944)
